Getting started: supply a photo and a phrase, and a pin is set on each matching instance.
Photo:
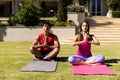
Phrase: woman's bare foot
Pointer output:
(89, 63)
(95, 64)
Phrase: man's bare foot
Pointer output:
(36, 59)
(48, 59)
(89, 63)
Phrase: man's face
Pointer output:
(46, 27)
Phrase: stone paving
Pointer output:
(107, 30)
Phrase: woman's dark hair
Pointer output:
(80, 35)
(87, 25)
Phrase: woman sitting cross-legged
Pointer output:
(84, 40)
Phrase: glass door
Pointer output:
(96, 8)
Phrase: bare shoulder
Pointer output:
(91, 34)
(54, 35)
(36, 38)
(77, 36)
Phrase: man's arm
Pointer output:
(35, 42)
(56, 43)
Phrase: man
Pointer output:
(46, 45)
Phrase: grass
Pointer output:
(49, 18)
(15, 55)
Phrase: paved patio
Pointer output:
(107, 30)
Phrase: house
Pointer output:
(97, 7)
(93, 7)
(8, 7)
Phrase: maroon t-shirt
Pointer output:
(49, 40)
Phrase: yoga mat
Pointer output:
(38, 66)
(92, 70)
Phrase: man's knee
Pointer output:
(31, 49)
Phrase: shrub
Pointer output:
(12, 20)
(62, 11)
(70, 23)
(75, 9)
(28, 14)
(55, 23)
(82, 2)
(116, 14)
(113, 4)
(60, 24)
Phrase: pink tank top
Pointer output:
(84, 49)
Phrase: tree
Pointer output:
(113, 4)
(68, 2)
(62, 10)
(29, 14)
(82, 2)
(43, 8)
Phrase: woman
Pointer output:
(84, 40)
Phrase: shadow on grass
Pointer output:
(93, 23)
(62, 59)
(109, 62)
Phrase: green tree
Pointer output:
(113, 4)
(28, 14)
(43, 8)
(82, 2)
(62, 10)
(68, 2)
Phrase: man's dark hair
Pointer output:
(48, 23)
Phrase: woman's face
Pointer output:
(84, 27)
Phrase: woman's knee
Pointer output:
(70, 59)
(102, 58)
(73, 59)
(99, 59)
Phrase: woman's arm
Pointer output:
(76, 42)
(94, 41)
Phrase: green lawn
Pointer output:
(15, 55)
